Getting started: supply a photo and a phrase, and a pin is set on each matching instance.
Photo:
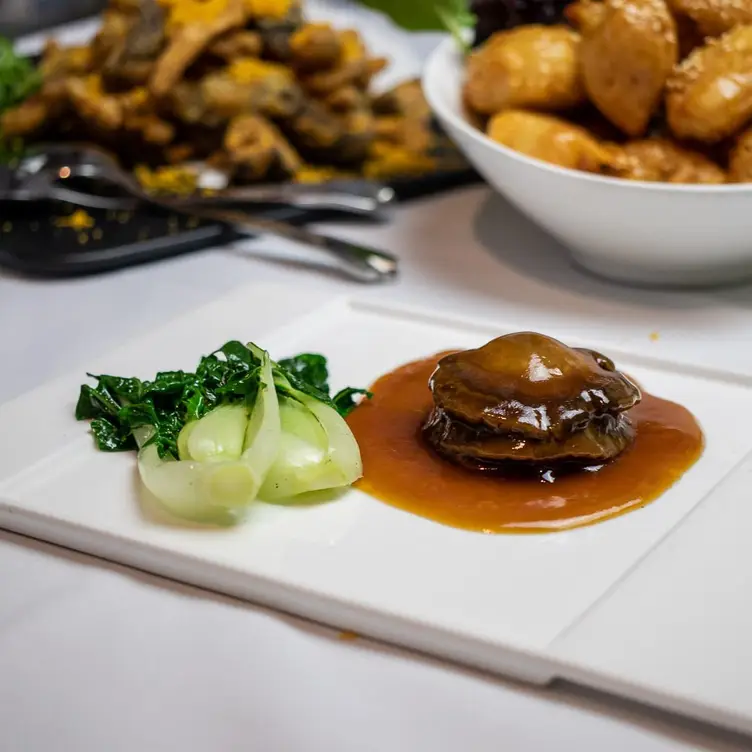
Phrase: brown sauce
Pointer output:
(402, 471)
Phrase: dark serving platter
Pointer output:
(35, 241)
(36, 238)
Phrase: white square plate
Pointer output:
(494, 601)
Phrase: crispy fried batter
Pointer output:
(237, 44)
(314, 47)
(710, 93)
(26, 119)
(130, 58)
(553, 140)
(257, 148)
(59, 62)
(740, 159)
(714, 17)
(189, 41)
(244, 84)
(92, 104)
(662, 161)
(626, 60)
(585, 15)
(530, 67)
(405, 100)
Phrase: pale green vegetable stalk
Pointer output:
(288, 444)
(224, 457)
(317, 452)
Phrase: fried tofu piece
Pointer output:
(553, 140)
(189, 41)
(534, 67)
(710, 93)
(661, 160)
(627, 59)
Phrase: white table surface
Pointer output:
(99, 658)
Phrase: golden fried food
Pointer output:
(189, 41)
(740, 159)
(529, 67)
(59, 62)
(404, 100)
(316, 46)
(662, 161)
(88, 99)
(346, 99)
(26, 119)
(553, 140)
(246, 85)
(710, 94)
(714, 17)
(237, 44)
(351, 68)
(585, 15)
(626, 60)
(255, 147)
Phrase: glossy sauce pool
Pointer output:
(401, 470)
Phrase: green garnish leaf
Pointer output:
(428, 15)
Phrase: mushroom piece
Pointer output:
(527, 399)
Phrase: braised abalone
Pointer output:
(525, 399)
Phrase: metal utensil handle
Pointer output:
(354, 196)
(361, 262)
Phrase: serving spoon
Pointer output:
(356, 196)
(60, 163)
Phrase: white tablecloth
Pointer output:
(97, 658)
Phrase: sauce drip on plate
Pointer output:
(401, 470)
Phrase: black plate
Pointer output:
(36, 239)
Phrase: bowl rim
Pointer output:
(447, 52)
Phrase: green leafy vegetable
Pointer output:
(19, 79)
(209, 441)
(428, 15)
(309, 368)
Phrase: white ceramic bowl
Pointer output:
(636, 232)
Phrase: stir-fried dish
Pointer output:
(247, 86)
(655, 90)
